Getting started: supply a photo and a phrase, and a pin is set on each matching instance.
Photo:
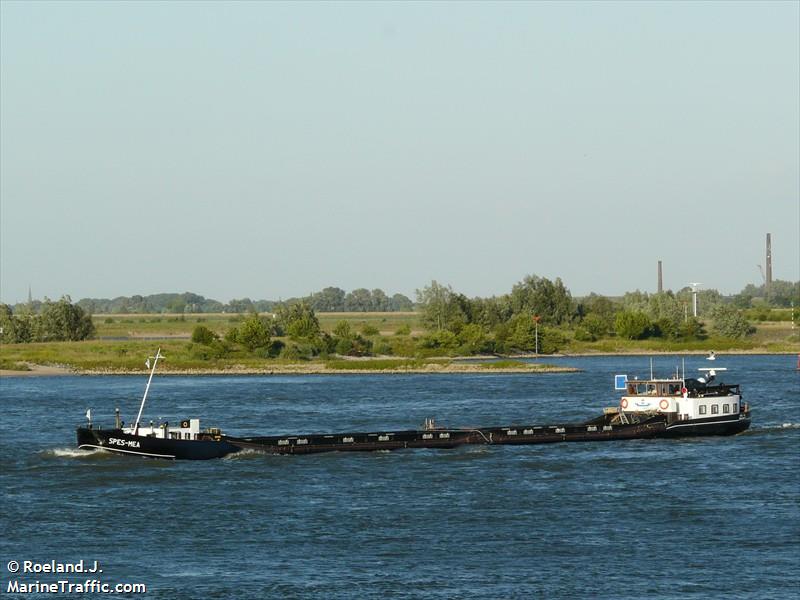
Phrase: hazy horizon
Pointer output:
(270, 150)
(389, 292)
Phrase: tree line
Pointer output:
(59, 321)
(330, 299)
(780, 294)
(536, 315)
(539, 314)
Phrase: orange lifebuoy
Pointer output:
(624, 403)
(664, 404)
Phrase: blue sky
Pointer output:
(269, 150)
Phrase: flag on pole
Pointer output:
(88, 414)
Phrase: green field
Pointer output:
(166, 326)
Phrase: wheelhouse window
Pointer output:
(725, 408)
(735, 407)
(715, 409)
(702, 409)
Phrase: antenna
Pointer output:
(694, 296)
(147, 388)
(768, 280)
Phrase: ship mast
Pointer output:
(146, 389)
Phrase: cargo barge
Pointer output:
(648, 408)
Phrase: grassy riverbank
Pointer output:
(124, 341)
(127, 357)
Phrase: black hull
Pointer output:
(115, 440)
(725, 425)
(598, 430)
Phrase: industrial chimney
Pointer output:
(660, 279)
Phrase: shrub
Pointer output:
(473, 339)
(382, 347)
(404, 329)
(253, 333)
(596, 326)
(369, 330)
(275, 348)
(290, 352)
(342, 330)
(203, 335)
(344, 346)
(729, 322)
(401, 346)
(550, 340)
(354, 346)
(632, 325)
(443, 339)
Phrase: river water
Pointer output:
(693, 518)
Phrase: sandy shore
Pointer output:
(299, 369)
(320, 369)
(38, 371)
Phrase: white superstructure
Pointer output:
(189, 429)
(685, 398)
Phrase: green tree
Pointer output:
(692, 329)
(439, 340)
(491, 312)
(63, 321)
(380, 301)
(597, 326)
(203, 335)
(594, 304)
(783, 293)
(550, 300)
(521, 335)
(253, 333)
(343, 330)
(401, 303)
(636, 301)
(667, 312)
(359, 300)
(441, 308)
(369, 330)
(632, 325)
(8, 329)
(299, 321)
(729, 322)
(331, 299)
(239, 306)
(473, 339)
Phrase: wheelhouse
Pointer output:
(681, 398)
(189, 429)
